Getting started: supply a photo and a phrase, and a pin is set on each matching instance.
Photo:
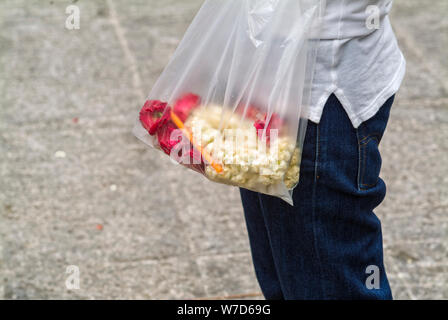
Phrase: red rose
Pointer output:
(275, 123)
(185, 105)
(259, 124)
(153, 115)
(164, 137)
(167, 144)
(251, 112)
(195, 156)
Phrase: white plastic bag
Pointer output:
(232, 103)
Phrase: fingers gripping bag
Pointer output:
(232, 103)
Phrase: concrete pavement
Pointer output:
(78, 189)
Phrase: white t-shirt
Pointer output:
(358, 62)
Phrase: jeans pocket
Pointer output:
(369, 135)
(369, 162)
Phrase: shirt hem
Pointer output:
(385, 94)
(358, 118)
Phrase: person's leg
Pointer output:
(260, 246)
(258, 220)
(322, 247)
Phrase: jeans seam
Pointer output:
(276, 266)
(361, 184)
(359, 161)
(316, 251)
(372, 135)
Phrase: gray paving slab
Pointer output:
(423, 26)
(78, 189)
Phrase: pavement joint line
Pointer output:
(163, 259)
(427, 214)
(129, 56)
(437, 220)
(403, 282)
(427, 265)
(190, 245)
(2, 283)
(408, 242)
(429, 286)
(201, 271)
(232, 297)
(410, 43)
(224, 255)
(440, 219)
(421, 264)
(426, 209)
(424, 102)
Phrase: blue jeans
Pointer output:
(322, 247)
